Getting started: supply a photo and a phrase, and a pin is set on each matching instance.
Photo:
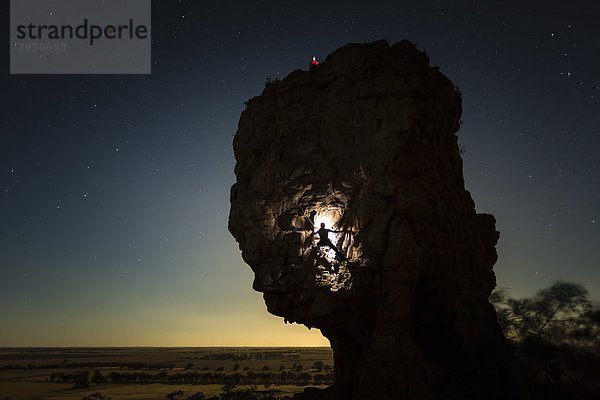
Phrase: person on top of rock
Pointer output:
(325, 241)
(314, 63)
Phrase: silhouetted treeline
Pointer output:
(79, 379)
(232, 393)
(205, 378)
(250, 393)
(267, 355)
(132, 365)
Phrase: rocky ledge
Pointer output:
(366, 144)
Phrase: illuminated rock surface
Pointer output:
(367, 140)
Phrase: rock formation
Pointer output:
(366, 143)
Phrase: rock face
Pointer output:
(366, 144)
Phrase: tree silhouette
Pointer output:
(228, 387)
(554, 334)
(318, 366)
(560, 315)
(98, 377)
(177, 394)
(96, 396)
(81, 380)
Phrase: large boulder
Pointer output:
(366, 144)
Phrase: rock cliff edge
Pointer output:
(366, 144)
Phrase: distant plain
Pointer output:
(152, 373)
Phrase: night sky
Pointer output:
(114, 189)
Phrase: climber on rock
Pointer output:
(314, 63)
(325, 241)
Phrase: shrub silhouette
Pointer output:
(96, 396)
(81, 380)
(177, 394)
